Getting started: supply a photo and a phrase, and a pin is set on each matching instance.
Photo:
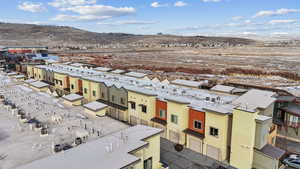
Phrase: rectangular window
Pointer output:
(112, 98)
(122, 101)
(85, 90)
(174, 119)
(102, 95)
(214, 131)
(144, 108)
(148, 163)
(132, 105)
(94, 93)
(72, 86)
(60, 82)
(162, 113)
(197, 124)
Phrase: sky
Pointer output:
(181, 17)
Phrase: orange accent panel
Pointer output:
(196, 115)
(161, 105)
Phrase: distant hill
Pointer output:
(54, 36)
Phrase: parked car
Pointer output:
(292, 161)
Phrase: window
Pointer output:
(144, 109)
(213, 131)
(122, 101)
(162, 113)
(148, 163)
(132, 105)
(112, 98)
(72, 86)
(60, 82)
(197, 124)
(85, 90)
(102, 95)
(94, 93)
(174, 119)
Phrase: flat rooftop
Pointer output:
(113, 152)
(20, 145)
(196, 98)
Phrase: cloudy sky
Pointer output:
(184, 17)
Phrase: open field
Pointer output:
(199, 61)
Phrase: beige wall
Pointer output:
(138, 98)
(181, 111)
(152, 150)
(243, 139)
(222, 123)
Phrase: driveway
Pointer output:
(187, 159)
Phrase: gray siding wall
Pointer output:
(118, 94)
(103, 91)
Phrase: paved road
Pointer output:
(186, 159)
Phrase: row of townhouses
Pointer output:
(236, 129)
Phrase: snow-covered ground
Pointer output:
(19, 144)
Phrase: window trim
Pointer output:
(213, 129)
(201, 124)
(173, 115)
(164, 112)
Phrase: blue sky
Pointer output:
(183, 17)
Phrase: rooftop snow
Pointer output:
(189, 83)
(118, 71)
(186, 95)
(39, 84)
(95, 106)
(73, 97)
(102, 69)
(254, 99)
(20, 145)
(136, 74)
(30, 81)
(109, 152)
(222, 88)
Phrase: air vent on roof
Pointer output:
(213, 100)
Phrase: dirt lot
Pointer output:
(206, 61)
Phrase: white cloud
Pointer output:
(237, 18)
(211, 0)
(180, 4)
(282, 11)
(128, 22)
(67, 3)
(157, 5)
(32, 7)
(273, 22)
(100, 10)
(279, 33)
(247, 21)
(72, 18)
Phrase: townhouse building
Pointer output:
(229, 128)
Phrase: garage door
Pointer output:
(133, 120)
(121, 116)
(114, 113)
(174, 136)
(213, 152)
(195, 144)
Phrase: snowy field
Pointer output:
(20, 143)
